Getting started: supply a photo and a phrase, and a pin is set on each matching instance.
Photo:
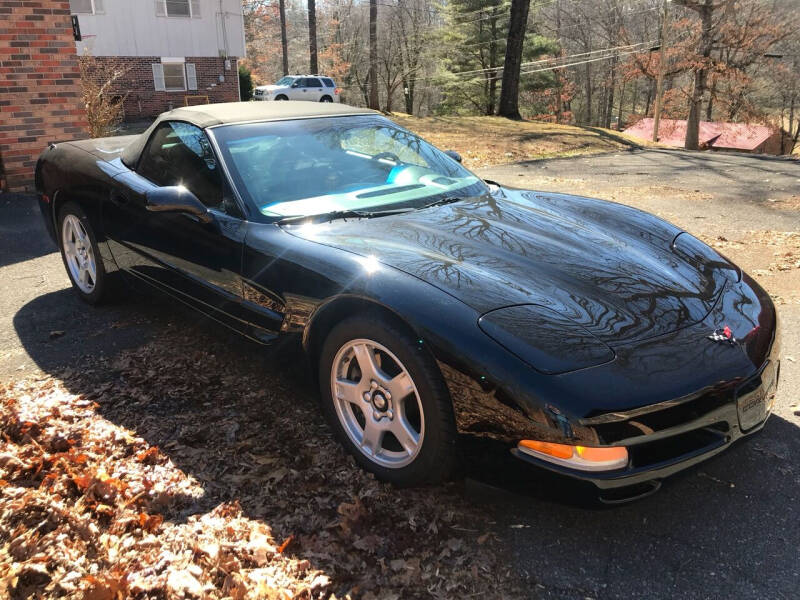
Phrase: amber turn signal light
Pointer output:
(585, 458)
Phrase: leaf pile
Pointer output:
(185, 469)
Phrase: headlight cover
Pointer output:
(546, 340)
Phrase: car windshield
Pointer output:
(285, 81)
(316, 166)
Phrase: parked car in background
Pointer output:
(314, 88)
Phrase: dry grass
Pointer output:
(487, 141)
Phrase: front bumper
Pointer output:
(665, 452)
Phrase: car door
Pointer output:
(314, 87)
(198, 262)
(298, 90)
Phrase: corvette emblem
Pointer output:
(723, 336)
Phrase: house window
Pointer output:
(86, 7)
(174, 77)
(178, 8)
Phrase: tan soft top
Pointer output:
(208, 115)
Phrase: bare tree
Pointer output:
(705, 9)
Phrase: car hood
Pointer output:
(610, 268)
(270, 88)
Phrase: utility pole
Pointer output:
(662, 68)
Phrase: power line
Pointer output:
(480, 80)
(555, 58)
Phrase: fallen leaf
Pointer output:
(285, 544)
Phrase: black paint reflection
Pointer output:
(609, 268)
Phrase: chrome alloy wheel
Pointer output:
(79, 254)
(377, 403)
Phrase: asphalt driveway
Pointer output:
(728, 529)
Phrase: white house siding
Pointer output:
(132, 28)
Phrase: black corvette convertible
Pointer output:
(594, 340)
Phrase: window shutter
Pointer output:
(196, 9)
(98, 7)
(191, 76)
(161, 8)
(158, 77)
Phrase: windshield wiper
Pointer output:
(441, 202)
(341, 214)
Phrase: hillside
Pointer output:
(487, 141)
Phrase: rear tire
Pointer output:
(81, 255)
(326, 99)
(398, 390)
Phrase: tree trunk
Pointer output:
(706, 11)
(609, 108)
(589, 94)
(284, 43)
(662, 68)
(621, 100)
(558, 72)
(492, 96)
(559, 99)
(693, 122)
(373, 54)
(388, 107)
(408, 94)
(509, 95)
(312, 36)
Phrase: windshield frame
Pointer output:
(254, 211)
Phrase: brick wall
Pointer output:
(39, 85)
(142, 101)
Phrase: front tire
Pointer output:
(281, 97)
(385, 399)
(81, 255)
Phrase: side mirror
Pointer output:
(295, 84)
(454, 155)
(176, 199)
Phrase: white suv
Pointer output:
(314, 88)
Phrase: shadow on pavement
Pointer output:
(22, 232)
(207, 398)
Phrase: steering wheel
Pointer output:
(391, 156)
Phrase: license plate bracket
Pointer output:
(754, 398)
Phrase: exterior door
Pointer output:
(199, 263)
